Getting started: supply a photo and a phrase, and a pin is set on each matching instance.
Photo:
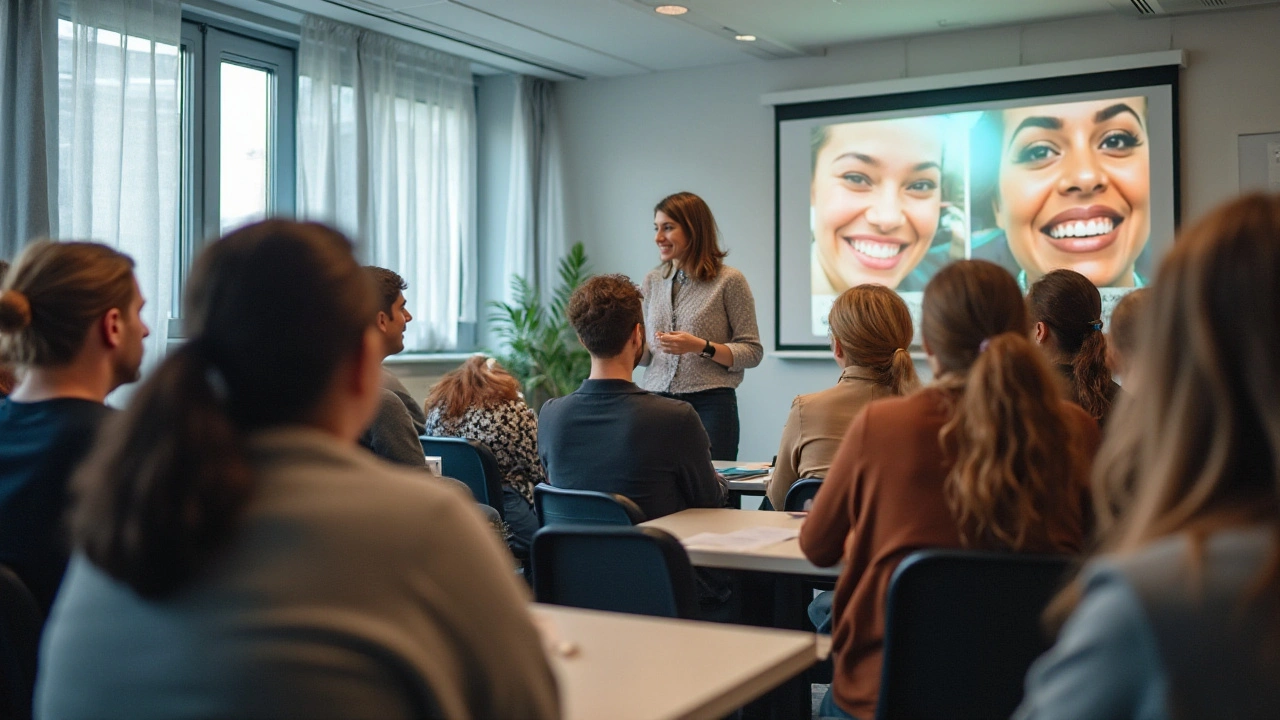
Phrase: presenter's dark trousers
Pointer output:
(718, 409)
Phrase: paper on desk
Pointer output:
(746, 539)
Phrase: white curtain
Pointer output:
(118, 139)
(386, 138)
(535, 205)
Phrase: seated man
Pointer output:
(611, 436)
(399, 420)
(70, 321)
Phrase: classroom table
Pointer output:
(782, 558)
(740, 487)
(611, 665)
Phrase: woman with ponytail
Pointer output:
(482, 401)
(870, 331)
(1180, 611)
(1066, 312)
(237, 553)
(989, 457)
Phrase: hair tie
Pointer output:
(1096, 325)
(488, 364)
(982, 346)
(15, 311)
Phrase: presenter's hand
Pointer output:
(678, 343)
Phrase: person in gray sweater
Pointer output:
(237, 553)
(1178, 618)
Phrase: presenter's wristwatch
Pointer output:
(709, 351)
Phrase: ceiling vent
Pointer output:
(1152, 8)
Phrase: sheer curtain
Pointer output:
(386, 137)
(28, 116)
(118, 139)
(535, 205)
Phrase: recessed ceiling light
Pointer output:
(671, 9)
(745, 38)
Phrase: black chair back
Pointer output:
(638, 570)
(560, 506)
(800, 495)
(20, 622)
(473, 463)
(961, 629)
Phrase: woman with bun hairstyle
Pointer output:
(700, 318)
(1066, 310)
(870, 331)
(239, 555)
(482, 401)
(989, 456)
(1179, 615)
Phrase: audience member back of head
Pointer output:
(238, 555)
(611, 436)
(69, 318)
(1179, 616)
(1066, 311)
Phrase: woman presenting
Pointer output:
(700, 319)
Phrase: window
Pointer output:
(238, 137)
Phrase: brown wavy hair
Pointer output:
(873, 327)
(1011, 467)
(479, 382)
(1070, 305)
(704, 258)
(273, 310)
(604, 311)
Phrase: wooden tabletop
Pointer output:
(783, 557)
(632, 667)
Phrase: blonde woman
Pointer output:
(870, 331)
(1179, 615)
(989, 456)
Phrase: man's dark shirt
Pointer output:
(611, 436)
(41, 444)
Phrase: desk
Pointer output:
(782, 558)
(747, 486)
(643, 668)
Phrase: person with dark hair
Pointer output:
(1177, 615)
(482, 401)
(238, 554)
(611, 436)
(701, 318)
(990, 456)
(7, 379)
(1066, 312)
(870, 332)
(70, 319)
(399, 421)
(1122, 335)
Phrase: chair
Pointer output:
(961, 629)
(639, 570)
(20, 622)
(471, 462)
(561, 506)
(800, 495)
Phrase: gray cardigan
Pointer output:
(351, 588)
(1157, 636)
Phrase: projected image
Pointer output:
(1063, 186)
(886, 203)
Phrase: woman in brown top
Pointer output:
(870, 331)
(989, 456)
(1066, 317)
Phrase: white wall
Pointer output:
(631, 141)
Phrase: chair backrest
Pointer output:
(473, 463)
(639, 570)
(961, 629)
(560, 506)
(800, 495)
(20, 622)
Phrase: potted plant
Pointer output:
(539, 348)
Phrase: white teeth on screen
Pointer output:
(877, 249)
(1082, 228)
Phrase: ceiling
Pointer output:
(565, 39)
